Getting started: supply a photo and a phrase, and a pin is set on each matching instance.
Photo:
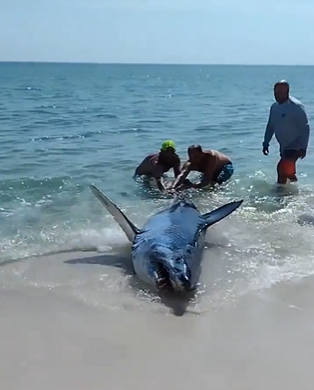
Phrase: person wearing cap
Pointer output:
(289, 122)
(155, 165)
(215, 168)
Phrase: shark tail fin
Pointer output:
(126, 225)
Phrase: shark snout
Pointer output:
(180, 279)
(169, 270)
(168, 275)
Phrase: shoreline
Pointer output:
(52, 339)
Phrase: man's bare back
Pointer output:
(211, 163)
(149, 166)
(215, 166)
(155, 165)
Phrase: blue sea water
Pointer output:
(65, 126)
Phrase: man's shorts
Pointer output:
(287, 164)
(290, 154)
(225, 173)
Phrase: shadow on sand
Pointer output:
(177, 303)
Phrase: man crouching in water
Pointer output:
(155, 165)
(215, 167)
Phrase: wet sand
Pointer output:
(59, 336)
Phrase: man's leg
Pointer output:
(286, 168)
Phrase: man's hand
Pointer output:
(184, 186)
(265, 150)
(160, 184)
(302, 153)
(171, 191)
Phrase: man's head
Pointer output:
(195, 153)
(281, 91)
(168, 148)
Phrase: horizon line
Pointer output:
(142, 63)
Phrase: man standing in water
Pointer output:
(289, 122)
(155, 165)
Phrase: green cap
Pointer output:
(167, 145)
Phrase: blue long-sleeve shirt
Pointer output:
(290, 124)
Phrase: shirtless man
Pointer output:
(215, 167)
(155, 165)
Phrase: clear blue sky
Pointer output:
(158, 31)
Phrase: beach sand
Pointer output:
(82, 326)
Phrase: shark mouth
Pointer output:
(162, 279)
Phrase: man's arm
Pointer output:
(269, 131)
(157, 173)
(160, 184)
(303, 128)
(203, 183)
(176, 167)
(186, 169)
(208, 177)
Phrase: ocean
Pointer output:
(70, 308)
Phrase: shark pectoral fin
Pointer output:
(126, 225)
(220, 213)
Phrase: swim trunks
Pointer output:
(291, 154)
(287, 164)
(225, 173)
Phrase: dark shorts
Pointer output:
(290, 154)
(225, 173)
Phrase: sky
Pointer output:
(158, 31)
